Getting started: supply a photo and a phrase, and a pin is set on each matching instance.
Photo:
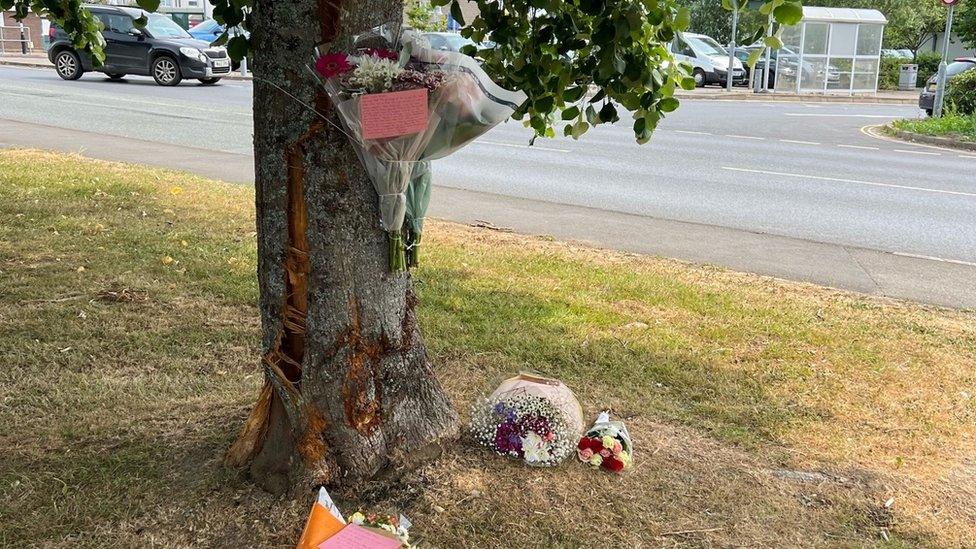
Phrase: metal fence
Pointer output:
(15, 39)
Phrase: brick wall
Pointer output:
(32, 21)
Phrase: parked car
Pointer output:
(926, 100)
(207, 30)
(446, 41)
(161, 49)
(906, 53)
(708, 59)
(785, 59)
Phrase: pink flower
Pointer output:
(382, 53)
(331, 65)
(617, 447)
(586, 454)
(605, 453)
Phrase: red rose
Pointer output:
(590, 443)
(613, 464)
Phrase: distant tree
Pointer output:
(965, 24)
(424, 17)
(710, 18)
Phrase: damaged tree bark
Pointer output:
(349, 391)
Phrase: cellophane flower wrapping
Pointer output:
(462, 104)
(607, 445)
(418, 199)
(532, 418)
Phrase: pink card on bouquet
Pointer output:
(393, 114)
(354, 536)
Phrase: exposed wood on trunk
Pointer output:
(349, 392)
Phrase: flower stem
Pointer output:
(398, 260)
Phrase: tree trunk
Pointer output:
(349, 391)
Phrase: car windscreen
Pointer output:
(959, 67)
(706, 46)
(160, 26)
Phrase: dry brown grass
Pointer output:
(124, 382)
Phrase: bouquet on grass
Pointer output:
(409, 105)
(531, 418)
(327, 529)
(607, 445)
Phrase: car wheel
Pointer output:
(208, 81)
(115, 75)
(68, 65)
(166, 71)
(699, 78)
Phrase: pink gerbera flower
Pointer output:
(331, 65)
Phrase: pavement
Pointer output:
(801, 191)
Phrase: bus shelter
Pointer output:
(831, 50)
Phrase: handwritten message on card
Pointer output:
(357, 537)
(393, 114)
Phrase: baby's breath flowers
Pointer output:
(525, 426)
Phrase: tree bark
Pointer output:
(349, 391)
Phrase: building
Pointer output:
(956, 46)
(35, 29)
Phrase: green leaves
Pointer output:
(456, 12)
(583, 63)
(237, 47)
(788, 13)
(148, 5)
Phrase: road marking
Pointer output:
(939, 259)
(744, 137)
(967, 156)
(844, 115)
(520, 146)
(917, 152)
(857, 181)
(799, 142)
(689, 132)
(862, 147)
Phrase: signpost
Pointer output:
(735, 24)
(941, 85)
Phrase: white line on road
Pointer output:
(917, 152)
(857, 181)
(967, 156)
(734, 136)
(520, 146)
(844, 115)
(939, 259)
(799, 142)
(862, 147)
(689, 132)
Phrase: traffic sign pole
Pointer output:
(940, 88)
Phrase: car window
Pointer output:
(209, 25)
(160, 26)
(114, 22)
(681, 47)
(707, 46)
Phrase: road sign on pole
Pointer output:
(941, 83)
(735, 24)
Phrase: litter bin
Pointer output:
(908, 77)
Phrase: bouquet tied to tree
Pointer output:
(403, 107)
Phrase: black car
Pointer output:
(161, 49)
(926, 100)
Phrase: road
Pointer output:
(793, 190)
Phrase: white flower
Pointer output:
(536, 450)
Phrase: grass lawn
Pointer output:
(951, 125)
(765, 413)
